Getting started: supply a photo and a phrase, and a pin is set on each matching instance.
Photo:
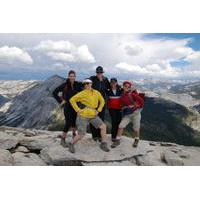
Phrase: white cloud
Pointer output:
(12, 54)
(148, 71)
(65, 51)
(153, 57)
(133, 50)
(194, 58)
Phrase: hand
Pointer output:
(97, 112)
(131, 106)
(79, 112)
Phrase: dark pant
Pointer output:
(116, 117)
(96, 132)
(70, 118)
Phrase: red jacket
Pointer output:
(131, 98)
(114, 99)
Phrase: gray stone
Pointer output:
(172, 159)
(7, 141)
(57, 155)
(38, 142)
(5, 158)
(22, 149)
(184, 154)
(27, 159)
(167, 144)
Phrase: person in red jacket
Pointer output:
(114, 106)
(132, 104)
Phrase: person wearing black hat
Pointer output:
(100, 83)
(114, 106)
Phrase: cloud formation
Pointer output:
(13, 54)
(154, 58)
(65, 51)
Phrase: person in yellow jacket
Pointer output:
(88, 103)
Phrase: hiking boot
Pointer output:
(71, 147)
(95, 139)
(113, 139)
(104, 147)
(63, 142)
(135, 144)
(115, 143)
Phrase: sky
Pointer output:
(125, 56)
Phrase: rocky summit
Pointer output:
(32, 147)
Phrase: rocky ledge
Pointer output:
(31, 147)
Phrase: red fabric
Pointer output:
(126, 100)
(114, 103)
(128, 83)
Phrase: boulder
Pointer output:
(27, 159)
(8, 141)
(22, 149)
(57, 155)
(38, 142)
(171, 158)
(5, 158)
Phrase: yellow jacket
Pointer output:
(93, 101)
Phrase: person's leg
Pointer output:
(98, 123)
(113, 122)
(103, 132)
(96, 135)
(82, 129)
(66, 127)
(116, 123)
(136, 128)
(73, 124)
(124, 122)
(94, 132)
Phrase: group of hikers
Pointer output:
(85, 104)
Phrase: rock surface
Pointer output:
(27, 159)
(37, 148)
(6, 158)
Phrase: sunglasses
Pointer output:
(99, 72)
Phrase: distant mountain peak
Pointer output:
(55, 77)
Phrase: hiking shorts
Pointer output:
(82, 123)
(133, 118)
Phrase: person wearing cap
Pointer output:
(100, 83)
(69, 88)
(88, 103)
(131, 103)
(114, 106)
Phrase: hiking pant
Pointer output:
(116, 117)
(70, 118)
(96, 132)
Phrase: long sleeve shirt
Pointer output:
(92, 101)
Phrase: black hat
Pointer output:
(113, 79)
(99, 69)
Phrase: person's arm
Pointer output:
(76, 98)
(81, 86)
(108, 87)
(101, 102)
(139, 101)
(56, 91)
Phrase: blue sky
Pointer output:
(132, 56)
